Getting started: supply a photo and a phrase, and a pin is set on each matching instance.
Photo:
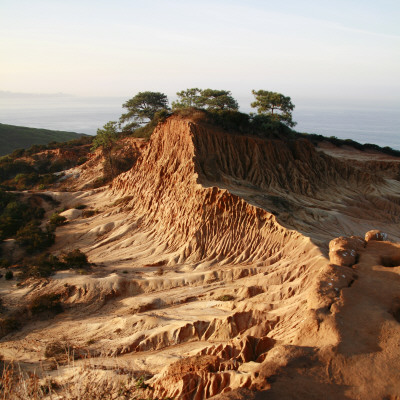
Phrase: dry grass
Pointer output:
(88, 382)
(17, 385)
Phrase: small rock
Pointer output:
(375, 235)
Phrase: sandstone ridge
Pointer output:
(229, 266)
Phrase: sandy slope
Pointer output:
(213, 273)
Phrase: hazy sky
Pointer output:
(319, 49)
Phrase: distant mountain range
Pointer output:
(6, 94)
(21, 137)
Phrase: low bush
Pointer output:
(15, 214)
(57, 348)
(140, 382)
(46, 303)
(100, 181)
(9, 324)
(9, 168)
(57, 220)
(240, 123)
(122, 200)
(145, 131)
(9, 275)
(64, 351)
(33, 238)
(47, 264)
(89, 213)
(226, 297)
(20, 218)
(43, 266)
(315, 139)
(75, 259)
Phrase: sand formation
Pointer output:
(232, 266)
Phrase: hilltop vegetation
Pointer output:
(272, 120)
(36, 167)
(21, 137)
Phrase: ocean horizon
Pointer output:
(364, 124)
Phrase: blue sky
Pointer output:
(310, 49)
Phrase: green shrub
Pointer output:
(33, 238)
(57, 220)
(9, 168)
(146, 130)
(25, 181)
(238, 122)
(101, 181)
(47, 179)
(89, 213)
(47, 264)
(75, 259)
(42, 164)
(43, 266)
(9, 275)
(226, 297)
(60, 165)
(140, 382)
(15, 214)
(231, 120)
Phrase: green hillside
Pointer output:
(20, 137)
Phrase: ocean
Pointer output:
(364, 125)
(367, 124)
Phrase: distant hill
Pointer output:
(21, 137)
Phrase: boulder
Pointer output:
(343, 251)
(376, 235)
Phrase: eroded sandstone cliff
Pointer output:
(214, 277)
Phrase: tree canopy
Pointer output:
(142, 108)
(210, 99)
(275, 105)
(105, 137)
(187, 98)
(218, 100)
